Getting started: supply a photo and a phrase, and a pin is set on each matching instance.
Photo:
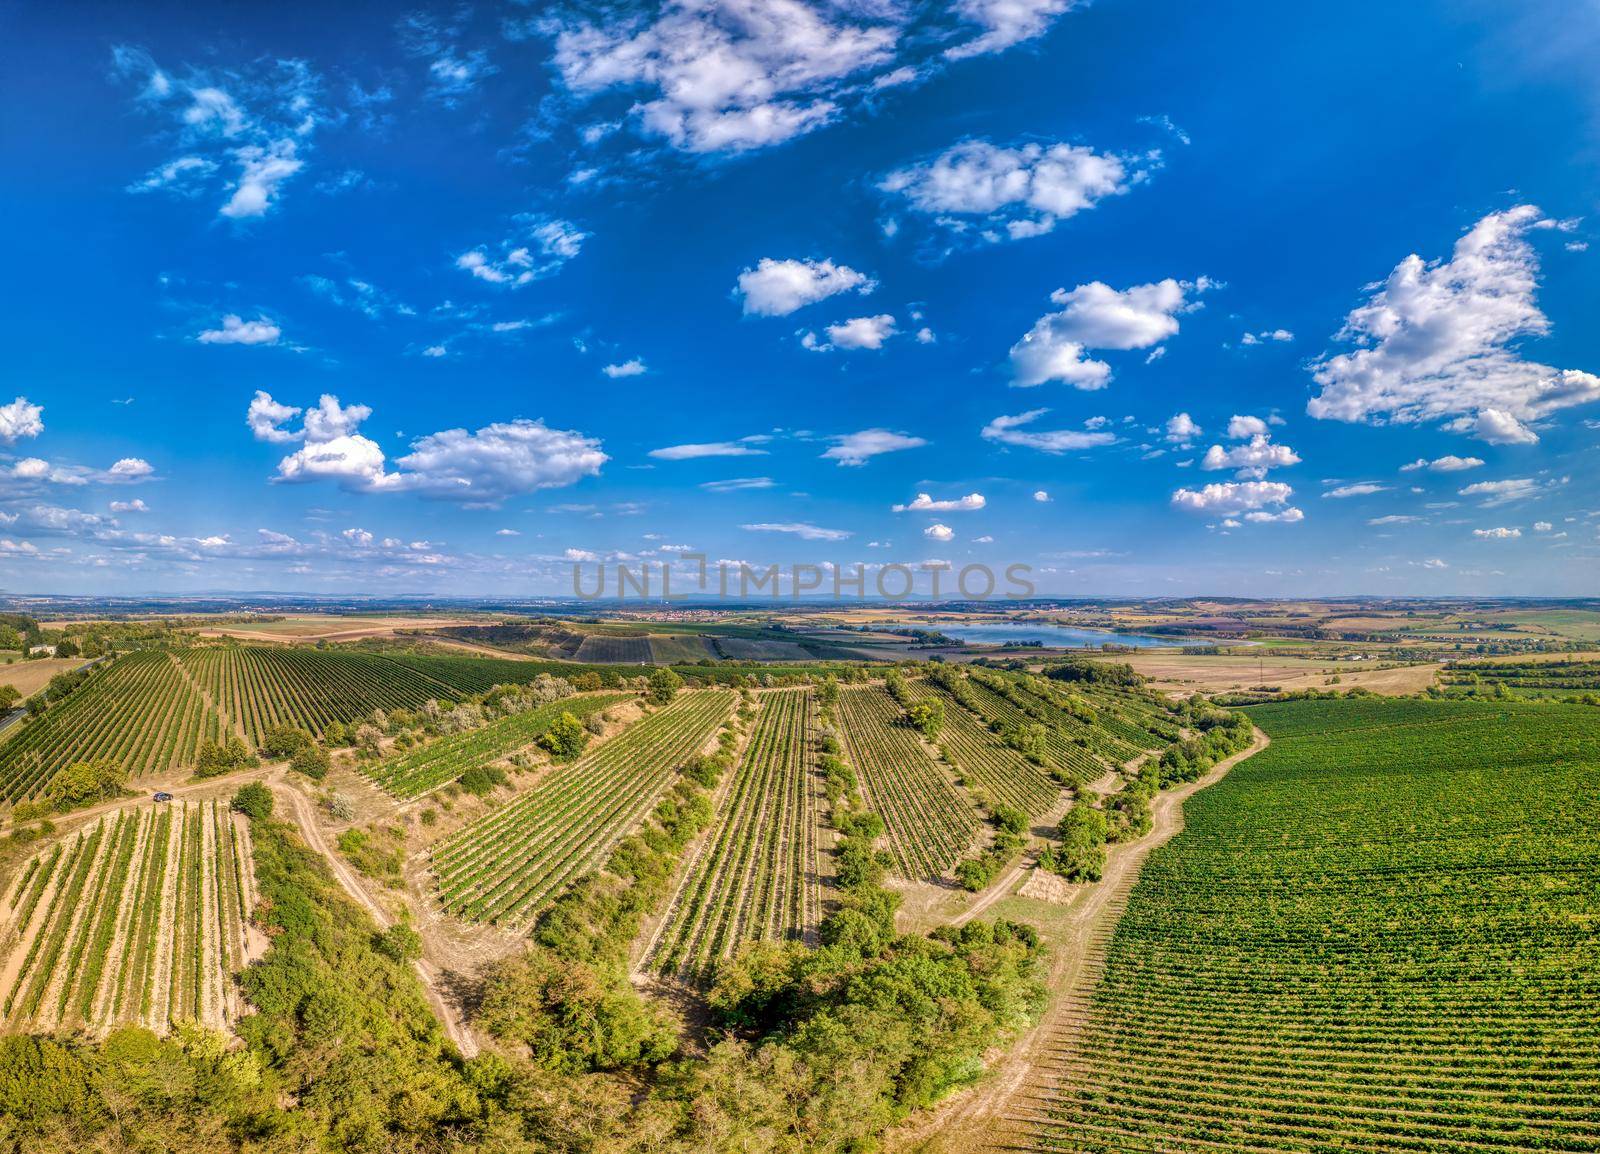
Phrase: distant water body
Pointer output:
(1052, 636)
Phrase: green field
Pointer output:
(1377, 934)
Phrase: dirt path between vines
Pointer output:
(305, 817)
(982, 1118)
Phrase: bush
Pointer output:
(216, 758)
(565, 738)
(662, 686)
(399, 943)
(254, 801)
(482, 780)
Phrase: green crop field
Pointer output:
(756, 875)
(998, 772)
(138, 711)
(444, 759)
(930, 819)
(505, 867)
(1378, 934)
(137, 919)
(1564, 677)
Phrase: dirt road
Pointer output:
(979, 1119)
(305, 816)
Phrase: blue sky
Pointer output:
(1155, 298)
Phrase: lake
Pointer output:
(1053, 636)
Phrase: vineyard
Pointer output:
(931, 822)
(614, 650)
(1563, 678)
(1000, 773)
(505, 867)
(1377, 934)
(443, 760)
(138, 918)
(756, 874)
(138, 711)
(260, 688)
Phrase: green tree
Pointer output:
(565, 738)
(663, 686)
(254, 800)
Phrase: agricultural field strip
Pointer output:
(444, 759)
(137, 710)
(754, 876)
(1003, 774)
(1078, 762)
(1375, 930)
(139, 918)
(931, 822)
(505, 866)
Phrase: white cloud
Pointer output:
(547, 244)
(262, 168)
(236, 330)
(435, 351)
(508, 533)
(984, 540)
(21, 418)
(744, 447)
(737, 484)
(266, 418)
(1041, 496)
(858, 448)
(482, 467)
(1181, 429)
(1004, 23)
(580, 555)
(1242, 428)
(629, 368)
(926, 336)
(1445, 464)
(1008, 431)
(1097, 316)
(1497, 493)
(728, 76)
(924, 503)
(1278, 336)
(937, 532)
(130, 469)
(1257, 455)
(1359, 489)
(1284, 516)
(801, 529)
(776, 288)
(1542, 526)
(134, 506)
(180, 175)
(1230, 498)
(1437, 341)
(1394, 519)
(1016, 192)
(856, 333)
(1496, 427)
(358, 537)
(1499, 534)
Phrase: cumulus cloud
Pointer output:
(1446, 464)
(1097, 316)
(937, 532)
(744, 447)
(776, 288)
(262, 170)
(235, 330)
(481, 467)
(1009, 431)
(1231, 498)
(629, 368)
(1438, 341)
(859, 448)
(856, 333)
(1012, 192)
(1181, 429)
(1500, 533)
(21, 418)
(802, 529)
(1266, 336)
(1256, 456)
(136, 505)
(924, 503)
(1041, 496)
(1242, 428)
